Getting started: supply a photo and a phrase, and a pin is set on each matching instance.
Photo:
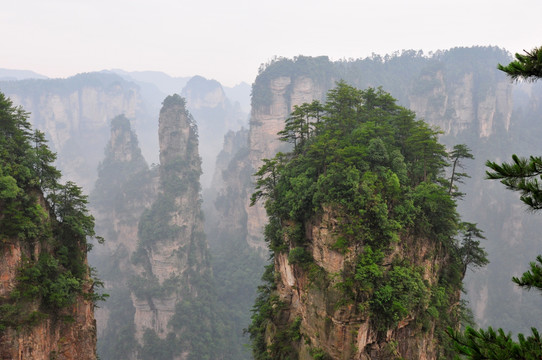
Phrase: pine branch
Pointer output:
(533, 277)
(520, 175)
(496, 345)
(526, 67)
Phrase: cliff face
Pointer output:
(201, 93)
(69, 335)
(458, 105)
(266, 120)
(346, 332)
(223, 201)
(47, 293)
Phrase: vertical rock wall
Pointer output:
(51, 337)
(172, 255)
(266, 121)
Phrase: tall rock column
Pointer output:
(124, 189)
(173, 292)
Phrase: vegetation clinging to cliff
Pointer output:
(57, 227)
(359, 151)
(381, 172)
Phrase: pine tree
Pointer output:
(459, 152)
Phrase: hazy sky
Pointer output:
(228, 40)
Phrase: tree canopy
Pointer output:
(382, 172)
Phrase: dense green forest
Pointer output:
(382, 173)
(48, 220)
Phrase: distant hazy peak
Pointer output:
(203, 93)
(11, 74)
(164, 82)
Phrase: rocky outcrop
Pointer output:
(172, 256)
(201, 93)
(69, 335)
(313, 299)
(155, 261)
(459, 90)
(352, 279)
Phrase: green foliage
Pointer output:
(237, 271)
(393, 292)
(319, 354)
(469, 250)
(282, 347)
(378, 171)
(459, 152)
(533, 277)
(154, 224)
(8, 187)
(263, 311)
(526, 67)
(15, 314)
(300, 256)
(196, 315)
(60, 225)
(491, 344)
(369, 270)
(148, 286)
(154, 348)
(398, 293)
(436, 216)
(47, 280)
(522, 176)
(121, 180)
(173, 101)
(303, 122)
(118, 340)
